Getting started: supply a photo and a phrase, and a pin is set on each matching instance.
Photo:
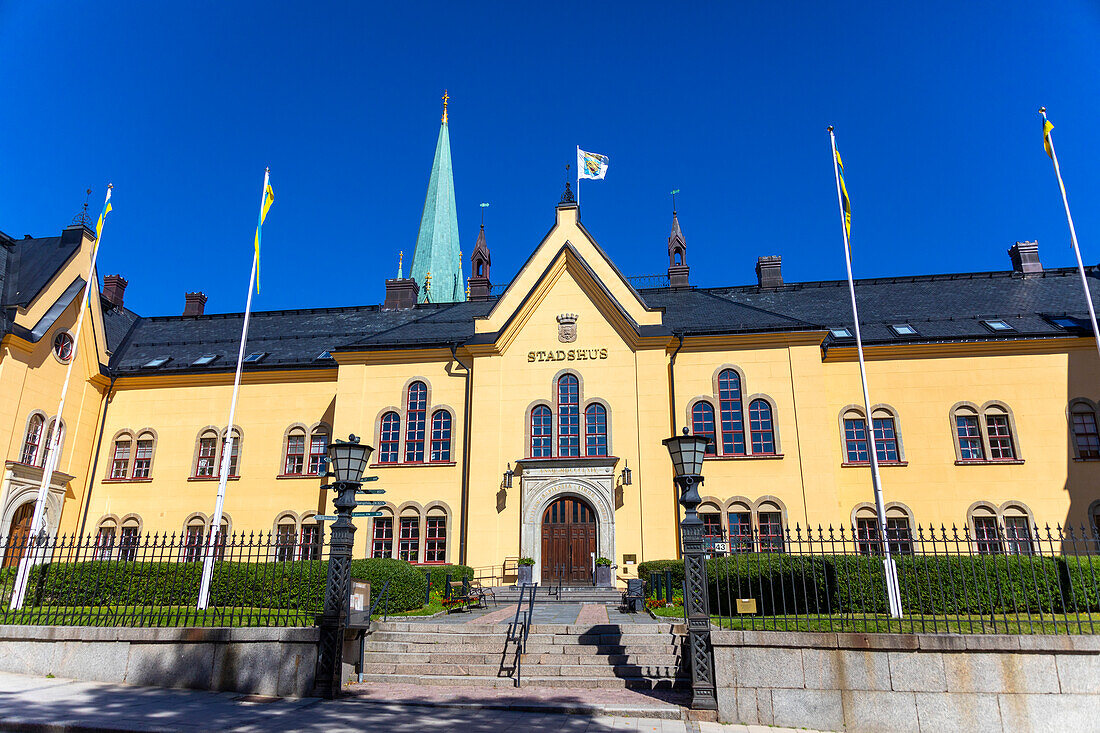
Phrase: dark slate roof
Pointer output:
(117, 322)
(36, 261)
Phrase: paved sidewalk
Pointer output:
(42, 704)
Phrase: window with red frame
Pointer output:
(986, 535)
(855, 440)
(234, 454)
(1085, 434)
(595, 430)
(390, 438)
(702, 423)
(33, 440)
(1000, 438)
(740, 531)
(104, 543)
(120, 462)
(295, 454)
(760, 425)
(318, 451)
(208, 450)
(970, 438)
(408, 547)
(733, 419)
(143, 457)
(441, 436)
(712, 528)
(1018, 535)
(311, 542)
(541, 432)
(569, 419)
(771, 531)
(382, 541)
(415, 418)
(284, 541)
(886, 439)
(435, 539)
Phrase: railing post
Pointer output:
(334, 619)
(696, 600)
(428, 587)
(447, 587)
(668, 585)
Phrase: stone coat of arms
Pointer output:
(567, 328)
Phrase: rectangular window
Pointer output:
(311, 542)
(318, 453)
(208, 448)
(128, 543)
(435, 540)
(295, 454)
(855, 440)
(382, 543)
(712, 529)
(886, 439)
(1085, 433)
(986, 536)
(771, 532)
(234, 455)
(1017, 535)
(740, 531)
(192, 551)
(408, 548)
(970, 438)
(1000, 438)
(143, 458)
(867, 538)
(121, 461)
(104, 543)
(899, 536)
(284, 542)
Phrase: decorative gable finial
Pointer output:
(82, 218)
(400, 263)
(446, 97)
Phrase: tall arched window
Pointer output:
(295, 452)
(441, 436)
(760, 426)
(33, 439)
(595, 430)
(985, 434)
(857, 441)
(143, 456)
(969, 435)
(234, 454)
(389, 438)
(120, 459)
(318, 450)
(702, 423)
(542, 426)
(569, 422)
(1086, 437)
(415, 422)
(729, 405)
(1001, 446)
(207, 454)
(44, 452)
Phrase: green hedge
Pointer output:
(781, 584)
(647, 570)
(407, 584)
(439, 575)
(1081, 582)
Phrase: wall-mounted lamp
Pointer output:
(625, 474)
(508, 477)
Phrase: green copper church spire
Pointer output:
(437, 247)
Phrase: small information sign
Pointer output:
(370, 491)
(325, 517)
(366, 514)
(370, 502)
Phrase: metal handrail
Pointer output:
(518, 630)
(385, 594)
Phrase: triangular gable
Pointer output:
(568, 247)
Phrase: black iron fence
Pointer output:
(258, 579)
(1000, 578)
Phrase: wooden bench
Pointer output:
(479, 593)
(458, 597)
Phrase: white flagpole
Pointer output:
(51, 459)
(578, 176)
(227, 446)
(893, 594)
(1072, 232)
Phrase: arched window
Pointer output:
(1086, 438)
(310, 539)
(295, 452)
(968, 434)
(733, 421)
(857, 442)
(130, 538)
(769, 520)
(33, 440)
(44, 452)
(408, 548)
(987, 536)
(899, 531)
(234, 454)
(207, 455)
(760, 425)
(702, 423)
(382, 535)
(541, 432)
(143, 456)
(120, 459)
(999, 429)
(415, 418)
(390, 438)
(435, 536)
(318, 450)
(595, 430)
(194, 534)
(105, 540)
(286, 532)
(569, 422)
(441, 436)
(712, 525)
(1018, 530)
(739, 517)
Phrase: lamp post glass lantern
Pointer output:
(348, 459)
(687, 453)
(508, 477)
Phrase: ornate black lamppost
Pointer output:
(687, 453)
(346, 460)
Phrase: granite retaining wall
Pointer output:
(907, 682)
(262, 661)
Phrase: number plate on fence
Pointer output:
(721, 547)
(366, 514)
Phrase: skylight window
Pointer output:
(840, 333)
(323, 355)
(157, 362)
(903, 329)
(998, 325)
(1066, 322)
(255, 357)
(204, 360)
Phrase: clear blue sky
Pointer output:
(182, 106)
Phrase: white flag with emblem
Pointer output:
(591, 165)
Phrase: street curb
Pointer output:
(670, 711)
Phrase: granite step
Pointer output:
(633, 683)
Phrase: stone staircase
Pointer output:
(569, 594)
(635, 656)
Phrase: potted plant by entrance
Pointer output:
(526, 567)
(603, 572)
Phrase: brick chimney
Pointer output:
(114, 287)
(401, 293)
(1025, 257)
(769, 271)
(194, 304)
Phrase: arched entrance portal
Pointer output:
(568, 541)
(18, 532)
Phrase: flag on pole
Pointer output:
(106, 208)
(844, 198)
(591, 165)
(269, 199)
(1047, 127)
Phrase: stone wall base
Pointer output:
(261, 661)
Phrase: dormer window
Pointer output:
(903, 329)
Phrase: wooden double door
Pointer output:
(18, 532)
(568, 542)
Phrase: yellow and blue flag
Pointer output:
(269, 199)
(106, 208)
(844, 198)
(1047, 127)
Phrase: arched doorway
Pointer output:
(18, 533)
(568, 541)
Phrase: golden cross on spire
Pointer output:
(445, 98)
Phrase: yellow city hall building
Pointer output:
(526, 420)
